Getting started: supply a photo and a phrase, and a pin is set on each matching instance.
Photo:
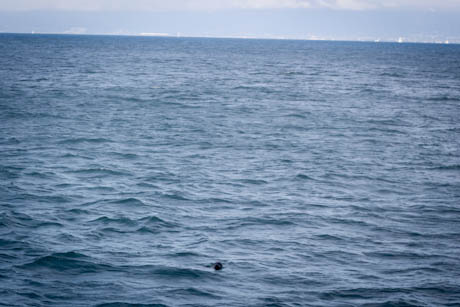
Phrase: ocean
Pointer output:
(318, 173)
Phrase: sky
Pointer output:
(386, 20)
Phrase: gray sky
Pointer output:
(413, 20)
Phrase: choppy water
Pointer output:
(318, 173)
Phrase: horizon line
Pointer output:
(247, 37)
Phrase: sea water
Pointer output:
(319, 173)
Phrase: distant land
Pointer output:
(404, 25)
(400, 39)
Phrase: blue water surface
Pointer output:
(318, 173)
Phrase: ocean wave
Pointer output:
(399, 255)
(9, 173)
(48, 224)
(7, 244)
(393, 74)
(10, 141)
(124, 304)
(69, 261)
(412, 271)
(78, 211)
(121, 221)
(122, 155)
(176, 196)
(296, 115)
(376, 295)
(177, 273)
(184, 254)
(195, 292)
(328, 237)
(85, 140)
(294, 73)
(303, 177)
(154, 221)
(98, 171)
(443, 98)
(263, 221)
(252, 181)
(31, 295)
(448, 167)
(130, 201)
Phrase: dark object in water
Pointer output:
(218, 266)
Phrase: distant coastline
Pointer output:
(399, 40)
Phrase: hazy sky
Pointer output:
(333, 19)
(155, 5)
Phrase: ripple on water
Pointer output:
(123, 304)
(64, 262)
(99, 172)
(76, 141)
